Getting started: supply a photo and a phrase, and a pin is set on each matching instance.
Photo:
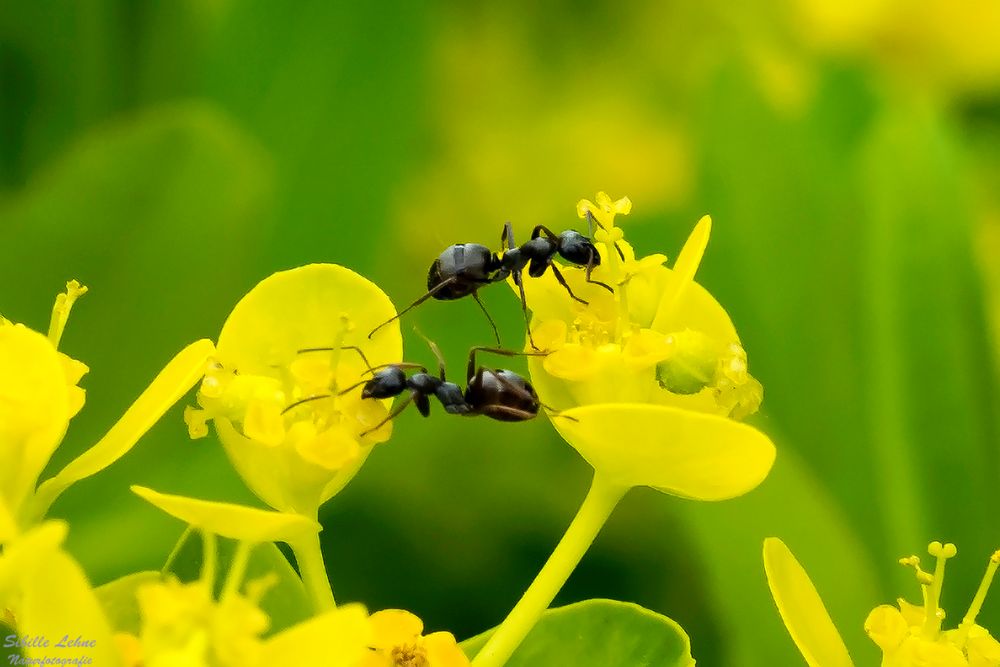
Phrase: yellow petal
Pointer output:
(34, 410)
(8, 527)
(57, 601)
(338, 637)
(237, 522)
(886, 627)
(278, 475)
(801, 608)
(573, 362)
(684, 453)
(303, 308)
(913, 613)
(53, 595)
(645, 348)
(332, 449)
(395, 627)
(683, 273)
(443, 651)
(176, 378)
(983, 649)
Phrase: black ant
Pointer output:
(499, 394)
(462, 269)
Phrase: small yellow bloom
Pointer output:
(285, 353)
(39, 394)
(909, 635)
(44, 592)
(651, 378)
(398, 642)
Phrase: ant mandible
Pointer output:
(499, 394)
(462, 269)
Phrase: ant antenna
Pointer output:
(302, 401)
(361, 353)
(431, 292)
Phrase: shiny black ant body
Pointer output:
(462, 269)
(499, 394)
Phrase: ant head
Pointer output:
(577, 249)
(386, 383)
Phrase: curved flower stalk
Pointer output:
(285, 354)
(40, 394)
(909, 635)
(650, 380)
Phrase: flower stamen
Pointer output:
(933, 614)
(60, 311)
(977, 601)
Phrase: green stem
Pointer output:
(237, 570)
(312, 570)
(597, 506)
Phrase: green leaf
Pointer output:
(603, 633)
(118, 600)
(285, 603)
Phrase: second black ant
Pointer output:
(499, 394)
(462, 269)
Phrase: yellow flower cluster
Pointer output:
(276, 387)
(650, 376)
(909, 635)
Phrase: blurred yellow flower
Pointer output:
(947, 45)
(182, 624)
(39, 395)
(284, 354)
(651, 378)
(398, 642)
(909, 635)
(44, 592)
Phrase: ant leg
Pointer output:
(497, 350)
(496, 334)
(431, 292)
(590, 269)
(562, 281)
(559, 413)
(505, 414)
(591, 221)
(540, 229)
(392, 415)
(308, 399)
(519, 281)
(507, 237)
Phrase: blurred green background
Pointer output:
(171, 154)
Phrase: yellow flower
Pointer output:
(398, 642)
(39, 395)
(183, 625)
(909, 635)
(277, 408)
(652, 377)
(44, 592)
(929, 42)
